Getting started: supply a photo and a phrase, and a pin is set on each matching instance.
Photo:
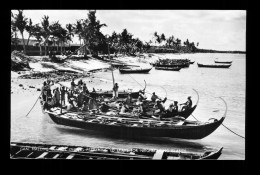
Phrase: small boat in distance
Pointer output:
(214, 65)
(168, 68)
(50, 151)
(223, 62)
(128, 70)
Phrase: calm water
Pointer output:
(209, 82)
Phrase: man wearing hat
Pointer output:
(187, 104)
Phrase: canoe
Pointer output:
(135, 70)
(51, 151)
(191, 62)
(168, 68)
(214, 65)
(181, 65)
(135, 128)
(223, 62)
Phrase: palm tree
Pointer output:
(37, 34)
(20, 23)
(70, 29)
(46, 30)
(78, 29)
(14, 30)
(162, 38)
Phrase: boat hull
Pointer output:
(213, 66)
(178, 131)
(168, 68)
(224, 62)
(128, 71)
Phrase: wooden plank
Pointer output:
(55, 157)
(42, 155)
(70, 156)
(158, 155)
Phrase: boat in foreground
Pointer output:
(214, 65)
(50, 151)
(168, 68)
(126, 70)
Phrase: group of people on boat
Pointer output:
(172, 61)
(80, 99)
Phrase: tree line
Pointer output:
(91, 38)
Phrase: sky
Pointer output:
(213, 29)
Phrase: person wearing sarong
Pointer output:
(73, 85)
(56, 97)
(44, 91)
(115, 90)
(80, 99)
(62, 92)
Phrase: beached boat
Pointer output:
(191, 62)
(135, 127)
(127, 70)
(223, 62)
(168, 68)
(214, 65)
(50, 151)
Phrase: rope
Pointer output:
(225, 127)
(33, 105)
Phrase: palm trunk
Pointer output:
(23, 44)
(40, 50)
(45, 49)
(15, 41)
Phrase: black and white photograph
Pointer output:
(128, 84)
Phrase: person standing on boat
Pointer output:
(154, 97)
(73, 85)
(62, 92)
(115, 90)
(44, 91)
(142, 95)
(187, 104)
(85, 89)
(56, 96)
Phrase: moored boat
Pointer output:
(214, 65)
(168, 68)
(223, 62)
(135, 127)
(50, 151)
(134, 70)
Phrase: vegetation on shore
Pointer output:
(52, 35)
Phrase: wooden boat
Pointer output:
(127, 70)
(191, 62)
(168, 68)
(135, 127)
(181, 65)
(214, 65)
(223, 62)
(50, 151)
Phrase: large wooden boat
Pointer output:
(135, 127)
(121, 94)
(127, 70)
(214, 65)
(168, 68)
(50, 151)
